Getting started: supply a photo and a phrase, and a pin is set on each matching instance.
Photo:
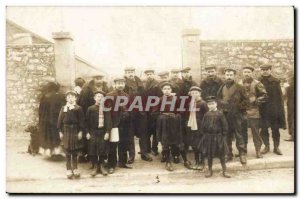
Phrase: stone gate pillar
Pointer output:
(191, 52)
(64, 59)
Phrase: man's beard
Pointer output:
(229, 80)
(120, 88)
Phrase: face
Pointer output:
(98, 80)
(174, 75)
(150, 75)
(212, 105)
(186, 74)
(98, 98)
(167, 90)
(71, 99)
(120, 85)
(211, 72)
(247, 73)
(196, 94)
(229, 75)
(265, 72)
(130, 74)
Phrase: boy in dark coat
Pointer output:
(169, 129)
(97, 125)
(71, 124)
(197, 109)
(213, 143)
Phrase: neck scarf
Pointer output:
(69, 106)
(101, 116)
(192, 118)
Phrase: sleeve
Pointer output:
(244, 101)
(261, 93)
(281, 107)
(203, 124)
(81, 120)
(60, 119)
(87, 116)
(224, 124)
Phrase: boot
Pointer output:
(163, 159)
(209, 173)
(266, 149)
(243, 158)
(69, 174)
(225, 174)
(76, 173)
(103, 170)
(94, 172)
(277, 151)
(187, 164)
(146, 157)
(169, 166)
(176, 159)
(258, 154)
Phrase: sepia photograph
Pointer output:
(150, 100)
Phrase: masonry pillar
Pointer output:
(64, 59)
(191, 52)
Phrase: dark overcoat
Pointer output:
(210, 86)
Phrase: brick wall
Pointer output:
(28, 67)
(279, 53)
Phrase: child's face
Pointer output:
(167, 90)
(212, 105)
(98, 98)
(71, 99)
(195, 94)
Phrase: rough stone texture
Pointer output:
(279, 53)
(28, 67)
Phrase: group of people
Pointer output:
(98, 123)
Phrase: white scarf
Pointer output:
(70, 106)
(101, 116)
(192, 118)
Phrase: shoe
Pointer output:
(155, 152)
(265, 150)
(124, 166)
(277, 151)
(209, 173)
(130, 161)
(226, 175)
(95, 172)
(146, 157)
(169, 166)
(111, 170)
(176, 159)
(196, 165)
(76, 173)
(163, 159)
(69, 174)
(102, 170)
(200, 167)
(243, 159)
(187, 164)
(290, 139)
(258, 154)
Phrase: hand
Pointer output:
(106, 136)
(80, 135)
(61, 135)
(88, 136)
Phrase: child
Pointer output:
(71, 124)
(97, 126)
(214, 129)
(169, 126)
(194, 124)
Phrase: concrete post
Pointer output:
(64, 59)
(191, 52)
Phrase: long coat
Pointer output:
(273, 111)
(291, 107)
(210, 87)
(186, 85)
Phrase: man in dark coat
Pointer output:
(273, 111)
(291, 108)
(151, 89)
(211, 84)
(232, 99)
(138, 119)
(86, 99)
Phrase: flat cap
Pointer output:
(266, 66)
(119, 79)
(163, 73)
(175, 70)
(211, 99)
(248, 67)
(129, 68)
(186, 69)
(209, 67)
(195, 88)
(101, 92)
(149, 71)
(166, 83)
(230, 69)
(70, 93)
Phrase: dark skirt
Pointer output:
(213, 145)
(97, 146)
(70, 139)
(193, 137)
(169, 130)
(48, 135)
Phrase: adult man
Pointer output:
(86, 99)
(164, 76)
(211, 84)
(257, 95)
(151, 89)
(119, 119)
(233, 101)
(273, 112)
(138, 123)
(175, 80)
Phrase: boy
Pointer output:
(97, 134)
(214, 129)
(169, 126)
(193, 124)
(71, 124)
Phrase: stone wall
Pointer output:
(28, 67)
(279, 53)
